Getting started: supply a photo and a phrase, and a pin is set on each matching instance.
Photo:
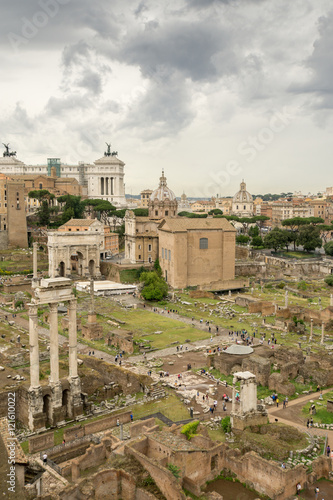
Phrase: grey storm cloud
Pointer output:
(164, 110)
(319, 86)
(188, 47)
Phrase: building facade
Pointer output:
(104, 179)
(242, 202)
(162, 201)
(197, 252)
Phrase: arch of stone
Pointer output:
(85, 245)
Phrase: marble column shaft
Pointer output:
(311, 331)
(54, 344)
(34, 349)
(72, 331)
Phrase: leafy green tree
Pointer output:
(44, 197)
(141, 212)
(226, 424)
(242, 239)
(253, 231)
(154, 287)
(309, 238)
(257, 241)
(157, 267)
(44, 214)
(328, 247)
(73, 207)
(275, 239)
(215, 211)
(294, 225)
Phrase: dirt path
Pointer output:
(291, 415)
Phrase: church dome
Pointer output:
(162, 193)
(242, 196)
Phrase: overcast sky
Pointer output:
(212, 91)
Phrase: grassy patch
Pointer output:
(322, 416)
(271, 441)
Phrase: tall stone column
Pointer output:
(322, 332)
(233, 404)
(54, 347)
(68, 262)
(286, 299)
(76, 406)
(34, 350)
(311, 331)
(72, 330)
(87, 261)
(34, 266)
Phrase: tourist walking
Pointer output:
(45, 458)
(316, 492)
(328, 450)
(298, 488)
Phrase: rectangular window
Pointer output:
(169, 254)
(139, 257)
(149, 248)
(162, 253)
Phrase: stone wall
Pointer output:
(94, 456)
(142, 426)
(249, 268)
(264, 476)
(73, 433)
(106, 423)
(164, 479)
(109, 483)
(330, 406)
(42, 442)
(260, 367)
(3, 240)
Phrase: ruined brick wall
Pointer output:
(106, 423)
(94, 456)
(259, 366)
(139, 427)
(42, 442)
(164, 479)
(109, 483)
(265, 476)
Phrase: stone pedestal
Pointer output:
(36, 417)
(92, 330)
(76, 403)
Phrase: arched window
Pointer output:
(203, 243)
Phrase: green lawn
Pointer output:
(322, 415)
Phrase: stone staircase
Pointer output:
(157, 393)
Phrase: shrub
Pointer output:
(190, 429)
(226, 424)
(281, 285)
(302, 285)
(329, 280)
(174, 469)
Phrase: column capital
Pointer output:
(33, 309)
(53, 306)
(72, 304)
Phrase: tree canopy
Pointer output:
(309, 238)
(154, 287)
(276, 239)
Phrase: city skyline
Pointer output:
(212, 91)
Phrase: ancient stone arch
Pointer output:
(86, 246)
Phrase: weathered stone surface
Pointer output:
(276, 382)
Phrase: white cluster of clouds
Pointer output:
(180, 85)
